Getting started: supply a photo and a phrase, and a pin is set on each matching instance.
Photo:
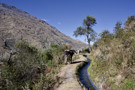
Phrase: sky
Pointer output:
(67, 15)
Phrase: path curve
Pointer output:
(67, 77)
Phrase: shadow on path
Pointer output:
(77, 62)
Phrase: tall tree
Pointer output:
(87, 30)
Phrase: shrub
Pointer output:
(129, 20)
(25, 68)
(31, 68)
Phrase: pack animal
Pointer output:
(68, 55)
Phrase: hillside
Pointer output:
(31, 51)
(16, 25)
(113, 58)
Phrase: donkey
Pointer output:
(68, 55)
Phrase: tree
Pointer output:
(118, 30)
(105, 34)
(129, 20)
(87, 30)
(118, 26)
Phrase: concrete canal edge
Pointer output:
(82, 67)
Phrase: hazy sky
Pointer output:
(67, 15)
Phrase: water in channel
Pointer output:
(84, 77)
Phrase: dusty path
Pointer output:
(68, 80)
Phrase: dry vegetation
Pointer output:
(113, 58)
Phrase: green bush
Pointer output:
(129, 85)
(28, 68)
(53, 55)
(129, 20)
(24, 68)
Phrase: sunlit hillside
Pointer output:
(113, 58)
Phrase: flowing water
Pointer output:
(84, 77)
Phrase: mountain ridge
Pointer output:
(18, 25)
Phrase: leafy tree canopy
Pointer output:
(87, 30)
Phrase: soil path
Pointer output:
(67, 77)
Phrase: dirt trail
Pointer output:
(68, 80)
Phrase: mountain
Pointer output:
(17, 25)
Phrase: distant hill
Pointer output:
(16, 25)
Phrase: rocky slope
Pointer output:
(16, 25)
